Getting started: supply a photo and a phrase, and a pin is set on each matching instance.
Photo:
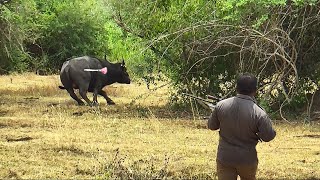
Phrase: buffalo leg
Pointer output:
(75, 97)
(104, 94)
(95, 98)
(83, 94)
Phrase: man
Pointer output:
(242, 124)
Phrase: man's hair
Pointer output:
(246, 84)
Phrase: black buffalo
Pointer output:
(73, 76)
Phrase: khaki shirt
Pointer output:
(242, 124)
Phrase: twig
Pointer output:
(149, 93)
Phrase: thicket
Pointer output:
(200, 45)
(205, 45)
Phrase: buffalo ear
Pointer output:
(123, 63)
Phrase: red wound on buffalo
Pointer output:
(103, 70)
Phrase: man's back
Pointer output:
(242, 123)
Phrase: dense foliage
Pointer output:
(200, 45)
(204, 45)
(39, 35)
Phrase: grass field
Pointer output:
(44, 134)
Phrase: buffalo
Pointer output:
(73, 76)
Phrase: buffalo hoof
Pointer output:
(81, 103)
(111, 103)
(94, 104)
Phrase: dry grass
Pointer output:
(43, 134)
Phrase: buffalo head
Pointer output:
(123, 76)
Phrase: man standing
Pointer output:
(242, 124)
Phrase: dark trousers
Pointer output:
(246, 172)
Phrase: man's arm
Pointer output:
(265, 129)
(213, 122)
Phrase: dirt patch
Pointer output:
(84, 171)
(52, 104)
(310, 136)
(313, 178)
(2, 125)
(28, 100)
(12, 175)
(16, 139)
(72, 150)
(16, 124)
(3, 113)
(78, 113)
(31, 98)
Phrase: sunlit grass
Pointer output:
(44, 134)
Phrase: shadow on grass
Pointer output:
(133, 111)
(52, 107)
(45, 94)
